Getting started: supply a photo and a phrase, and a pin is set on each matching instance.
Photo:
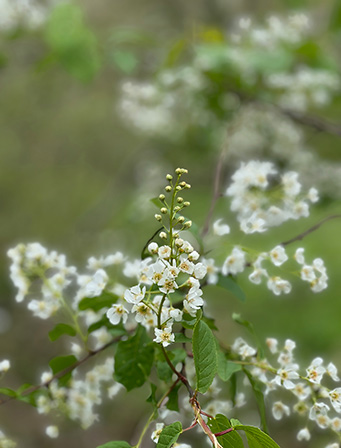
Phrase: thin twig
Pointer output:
(216, 191)
(61, 373)
(310, 230)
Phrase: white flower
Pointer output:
(272, 343)
(301, 391)
(116, 313)
(200, 271)
(164, 252)
(234, 263)
(153, 248)
(164, 336)
(253, 224)
(52, 431)
(299, 257)
(186, 265)
(335, 424)
(313, 195)
(135, 294)
(335, 399)
(243, 349)
(318, 408)
(98, 282)
(333, 445)
(303, 434)
(4, 365)
(332, 372)
(211, 270)
(284, 376)
(277, 285)
(220, 229)
(156, 434)
(43, 308)
(279, 409)
(316, 371)
(278, 255)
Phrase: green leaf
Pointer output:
(259, 396)
(257, 438)
(72, 42)
(169, 435)
(205, 355)
(105, 300)
(174, 53)
(134, 359)
(60, 363)
(173, 399)
(230, 284)
(115, 445)
(335, 21)
(180, 337)
(8, 392)
(126, 61)
(188, 321)
(61, 329)
(152, 397)
(231, 439)
(226, 368)
(234, 422)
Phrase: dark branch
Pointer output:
(62, 372)
(310, 230)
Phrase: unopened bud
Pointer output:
(180, 200)
(163, 235)
(178, 171)
(178, 188)
(181, 219)
(162, 197)
(183, 184)
(188, 186)
(169, 177)
(187, 204)
(158, 217)
(177, 208)
(187, 224)
(168, 188)
(163, 210)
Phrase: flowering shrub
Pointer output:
(152, 310)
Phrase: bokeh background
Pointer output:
(77, 177)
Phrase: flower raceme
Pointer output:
(156, 301)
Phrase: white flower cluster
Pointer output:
(23, 13)
(258, 206)
(314, 401)
(78, 400)
(5, 442)
(163, 276)
(32, 262)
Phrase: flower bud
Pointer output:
(183, 184)
(163, 210)
(169, 177)
(178, 171)
(180, 200)
(177, 208)
(162, 197)
(178, 188)
(179, 242)
(187, 224)
(163, 235)
(181, 219)
(187, 204)
(188, 186)
(158, 217)
(168, 188)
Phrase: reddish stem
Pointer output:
(224, 432)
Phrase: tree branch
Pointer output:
(310, 230)
(61, 373)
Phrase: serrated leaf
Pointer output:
(205, 356)
(134, 359)
(229, 440)
(105, 300)
(60, 363)
(226, 368)
(234, 422)
(257, 438)
(117, 444)
(230, 285)
(169, 435)
(259, 396)
(61, 329)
